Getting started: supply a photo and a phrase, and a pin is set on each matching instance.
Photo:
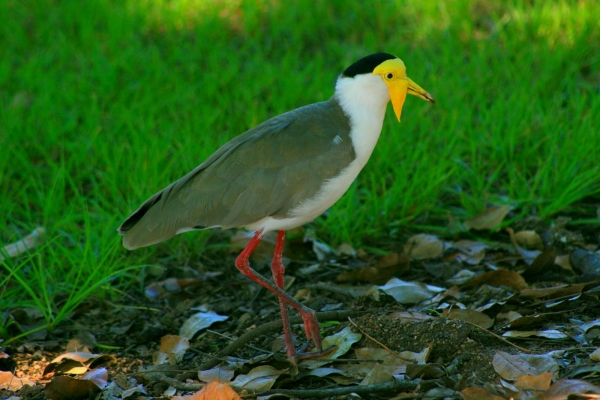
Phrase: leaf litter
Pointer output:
(509, 313)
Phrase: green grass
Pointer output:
(102, 103)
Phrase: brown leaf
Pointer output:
(422, 246)
(535, 382)
(424, 371)
(527, 255)
(387, 266)
(553, 292)
(514, 366)
(8, 381)
(489, 218)
(566, 387)
(477, 393)
(472, 316)
(542, 263)
(529, 239)
(497, 278)
(212, 391)
(67, 388)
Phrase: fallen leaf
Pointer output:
(514, 366)
(542, 263)
(566, 387)
(527, 255)
(529, 239)
(379, 374)
(172, 348)
(341, 341)
(29, 242)
(66, 388)
(212, 391)
(472, 316)
(387, 266)
(489, 218)
(410, 315)
(8, 381)
(388, 358)
(259, 378)
(217, 374)
(477, 393)
(424, 371)
(409, 292)
(595, 355)
(423, 246)
(471, 252)
(548, 334)
(199, 321)
(500, 277)
(535, 382)
(564, 261)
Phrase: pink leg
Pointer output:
(311, 325)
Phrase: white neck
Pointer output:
(363, 99)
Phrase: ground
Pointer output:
(455, 330)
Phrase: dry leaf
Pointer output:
(199, 321)
(342, 341)
(477, 393)
(542, 263)
(8, 381)
(388, 266)
(217, 374)
(172, 348)
(548, 334)
(514, 366)
(529, 239)
(212, 391)
(500, 277)
(535, 382)
(67, 388)
(422, 246)
(595, 355)
(489, 218)
(30, 241)
(259, 378)
(409, 292)
(472, 316)
(566, 387)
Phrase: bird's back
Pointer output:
(266, 171)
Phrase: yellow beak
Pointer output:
(400, 88)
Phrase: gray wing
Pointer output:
(266, 171)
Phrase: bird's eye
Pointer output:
(389, 75)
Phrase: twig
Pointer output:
(266, 328)
(395, 385)
(498, 337)
(379, 343)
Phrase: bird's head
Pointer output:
(393, 73)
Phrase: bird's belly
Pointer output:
(309, 209)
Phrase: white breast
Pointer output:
(363, 99)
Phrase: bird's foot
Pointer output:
(311, 327)
(301, 355)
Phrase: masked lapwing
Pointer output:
(282, 174)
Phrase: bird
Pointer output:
(280, 175)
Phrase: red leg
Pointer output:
(278, 271)
(311, 325)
